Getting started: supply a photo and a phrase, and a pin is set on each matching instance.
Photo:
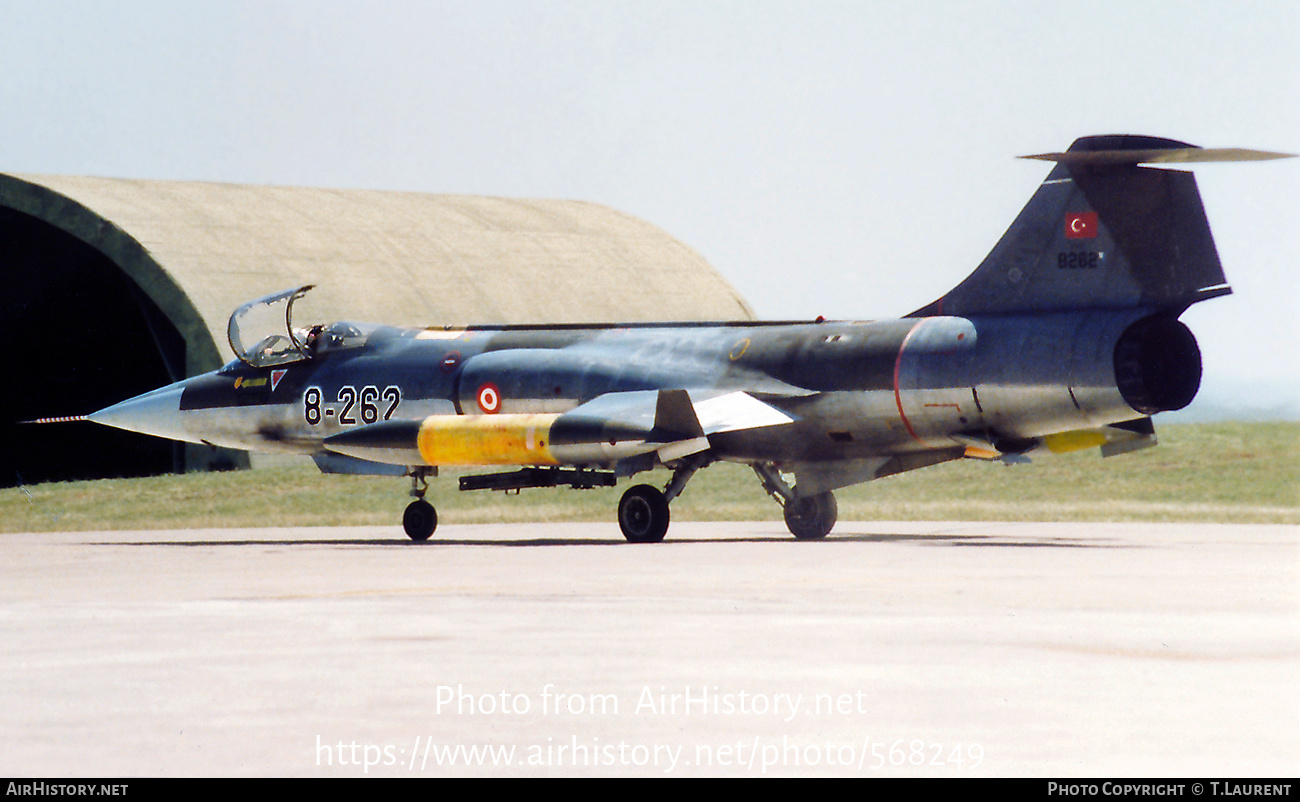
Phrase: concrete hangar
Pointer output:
(114, 287)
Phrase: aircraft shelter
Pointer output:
(115, 287)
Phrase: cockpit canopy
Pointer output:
(262, 334)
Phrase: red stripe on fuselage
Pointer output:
(898, 396)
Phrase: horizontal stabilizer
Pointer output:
(1188, 155)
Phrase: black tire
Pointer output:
(643, 514)
(419, 520)
(811, 517)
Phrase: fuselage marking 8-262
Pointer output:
(348, 397)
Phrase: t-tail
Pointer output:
(1104, 232)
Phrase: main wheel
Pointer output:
(643, 514)
(419, 520)
(811, 517)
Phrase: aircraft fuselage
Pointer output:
(854, 389)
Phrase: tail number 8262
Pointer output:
(368, 405)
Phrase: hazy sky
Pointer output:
(848, 159)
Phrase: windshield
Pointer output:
(337, 336)
(261, 332)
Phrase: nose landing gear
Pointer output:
(420, 518)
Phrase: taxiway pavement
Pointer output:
(888, 649)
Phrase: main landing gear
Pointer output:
(643, 514)
(809, 517)
(643, 510)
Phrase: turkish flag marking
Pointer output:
(1081, 225)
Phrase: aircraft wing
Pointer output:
(671, 414)
(676, 422)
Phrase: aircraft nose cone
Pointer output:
(157, 413)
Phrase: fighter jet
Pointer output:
(1065, 337)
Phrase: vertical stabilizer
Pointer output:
(1103, 232)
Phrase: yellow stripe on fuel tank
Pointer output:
(486, 440)
(1077, 440)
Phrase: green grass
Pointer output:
(1228, 472)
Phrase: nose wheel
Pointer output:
(420, 518)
